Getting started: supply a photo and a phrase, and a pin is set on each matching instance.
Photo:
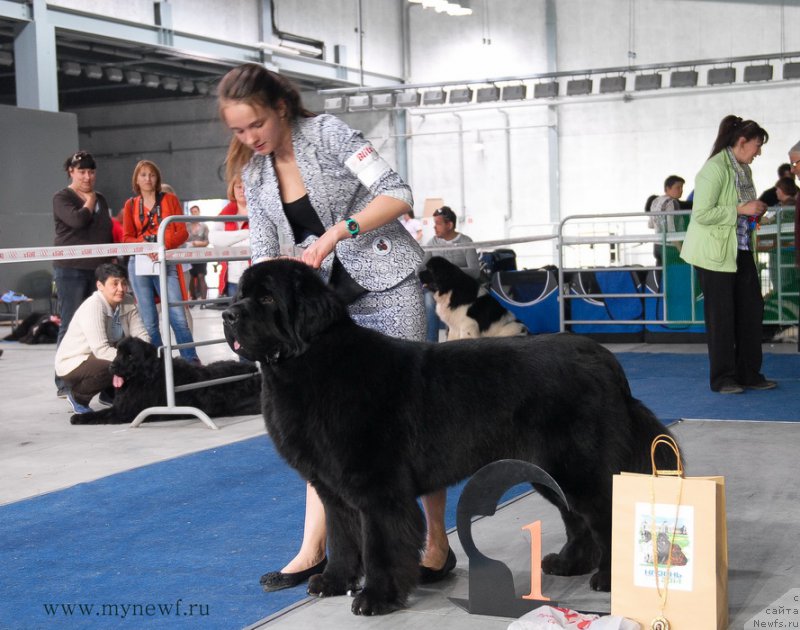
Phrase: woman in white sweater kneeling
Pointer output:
(89, 346)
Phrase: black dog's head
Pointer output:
(135, 358)
(442, 276)
(280, 306)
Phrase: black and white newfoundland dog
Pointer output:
(374, 422)
(464, 305)
(138, 377)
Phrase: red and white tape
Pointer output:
(32, 254)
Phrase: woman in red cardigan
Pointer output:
(140, 220)
(236, 233)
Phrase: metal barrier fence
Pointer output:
(778, 274)
(171, 389)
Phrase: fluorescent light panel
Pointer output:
(545, 90)
(579, 87)
(71, 69)
(151, 80)
(647, 82)
(515, 92)
(433, 97)
(683, 78)
(358, 102)
(93, 71)
(460, 95)
(610, 85)
(133, 77)
(758, 73)
(114, 74)
(487, 94)
(383, 101)
(720, 76)
(791, 70)
(406, 99)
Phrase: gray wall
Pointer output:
(35, 145)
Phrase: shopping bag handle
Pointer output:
(669, 441)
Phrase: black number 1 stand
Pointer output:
(491, 584)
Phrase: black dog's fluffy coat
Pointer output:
(142, 371)
(373, 422)
(36, 328)
(468, 311)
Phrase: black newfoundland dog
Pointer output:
(139, 384)
(373, 422)
(461, 303)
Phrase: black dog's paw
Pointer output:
(601, 581)
(552, 564)
(324, 585)
(556, 564)
(368, 602)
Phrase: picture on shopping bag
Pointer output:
(673, 549)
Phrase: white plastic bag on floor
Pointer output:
(549, 618)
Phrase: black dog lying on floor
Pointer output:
(373, 422)
(139, 384)
(36, 328)
(461, 303)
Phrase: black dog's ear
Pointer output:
(315, 306)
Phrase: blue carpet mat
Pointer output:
(675, 386)
(182, 543)
(176, 544)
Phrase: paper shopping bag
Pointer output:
(669, 551)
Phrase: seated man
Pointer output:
(444, 227)
(88, 347)
(669, 201)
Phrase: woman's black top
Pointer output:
(305, 222)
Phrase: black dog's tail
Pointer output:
(104, 416)
(646, 427)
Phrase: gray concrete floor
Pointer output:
(41, 452)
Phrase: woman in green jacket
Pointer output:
(720, 243)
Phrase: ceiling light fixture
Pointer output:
(336, 104)
(201, 87)
(433, 97)
(187, 86)
(358, 103)
(579, 87)
(460, 95)
(611, 85)
(515, 92)
(720, 76)
(169, 83)
(71, 69)
(114, 74)
(487, 94)
(383, 101)
(93, 71)
(151, 80)
(545, 90)
(647, 82)
(683, 78)
(457, 8)
(758, 73)
(133, 77)
(6, 58)
(406, 99)
(791, 70)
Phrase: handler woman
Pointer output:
(721, 244)
(313, 182)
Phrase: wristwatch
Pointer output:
(352, 226)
